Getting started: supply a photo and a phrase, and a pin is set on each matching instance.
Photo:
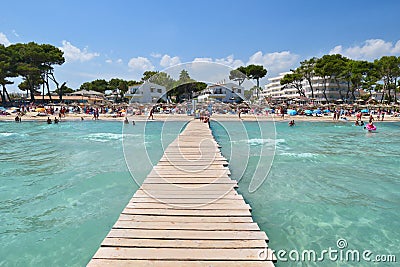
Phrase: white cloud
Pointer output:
(275, 62)
(336, 50)
(167, 61)
(371, 49)
(203, 59)
(4, 40)
(73, 53)
(110, 61)
(155, 55)
(15, 33)
(230, 61)
(140, 64)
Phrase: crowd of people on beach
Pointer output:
(205, 110)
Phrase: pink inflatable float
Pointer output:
(370, 127)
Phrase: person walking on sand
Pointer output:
(151, 114)
(239, 113)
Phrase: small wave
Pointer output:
(299, 155)
(103, 137)
(268, 141)
(11, 134)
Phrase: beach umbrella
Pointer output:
(327, 111)
(308, 112)
(291, 112)
(364, 111)
(317, 111)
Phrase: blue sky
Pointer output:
(122, 39)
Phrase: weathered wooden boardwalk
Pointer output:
(186, 213)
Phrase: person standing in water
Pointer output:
(371, 118)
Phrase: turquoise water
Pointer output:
(63, 186)
(327, 182)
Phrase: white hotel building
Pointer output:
(274, 90)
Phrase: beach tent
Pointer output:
(308, 112)
(364, 111)
(317, 111)
(291, 112)
(327, 111)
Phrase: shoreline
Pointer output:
(184, 117)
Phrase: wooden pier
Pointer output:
(186, 213)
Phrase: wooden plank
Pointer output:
(174, 180)
(196, 163)
(206, 195)
(187, 226)
(217, 159)
(186, 200)
(190, 168)
(188, 234)
(180, 263)
(202, 206)
(178, 254)
(203, 173)
(203, 191)
(197, 187)
(186, 219)
(183, 243)
(179, 174)
(187, 212)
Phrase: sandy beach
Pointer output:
(32, 116)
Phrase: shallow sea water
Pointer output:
(327, 182)
(63, 186)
